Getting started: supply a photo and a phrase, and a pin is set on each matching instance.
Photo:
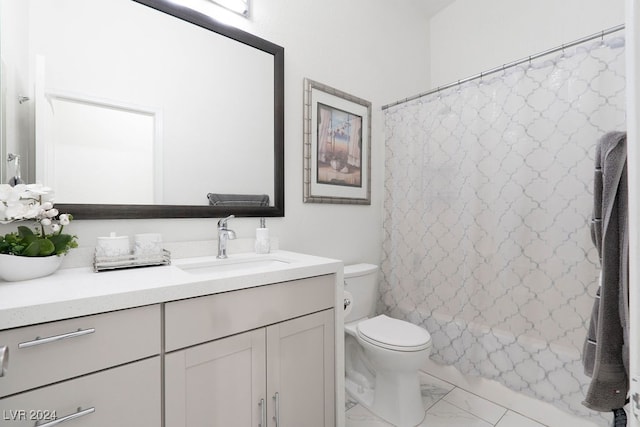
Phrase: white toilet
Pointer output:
(382, 354)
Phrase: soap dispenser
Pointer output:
(263, 244)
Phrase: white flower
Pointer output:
(34, 202)
(37, 189)
(15, 210)
(9, 193)
(51, 213)
(33, 211)
(30, 201)
(64, 219)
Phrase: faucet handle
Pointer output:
(223, 222)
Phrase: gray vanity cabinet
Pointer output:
(128, 395)
(216, 383)
(99, 371)
(258, 356)
(300, 371)
(271, 365)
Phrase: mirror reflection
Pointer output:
(128, 105)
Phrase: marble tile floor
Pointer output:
(446, 406)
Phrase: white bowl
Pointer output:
(14, 268)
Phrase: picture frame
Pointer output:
(337, 146)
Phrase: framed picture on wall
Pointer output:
(337, 146)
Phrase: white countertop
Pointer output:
(74, 292)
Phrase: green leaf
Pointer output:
(39, 247)
(61, 242)
(46, 247)
(27, 242)
(33, 249)
(27, 234)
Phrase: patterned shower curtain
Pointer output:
(488, 197)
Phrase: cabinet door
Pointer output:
(300, 371)
(217, 384)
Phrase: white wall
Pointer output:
(472, 36)
(376, 50)
(373, 49)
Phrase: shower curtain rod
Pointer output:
(509, 65)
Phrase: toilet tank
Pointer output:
(361, 281)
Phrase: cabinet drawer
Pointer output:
(50, 352)
(125, 396)
(202, 319)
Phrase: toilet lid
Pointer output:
(394, 334)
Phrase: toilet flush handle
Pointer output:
(347, 301)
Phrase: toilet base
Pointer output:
(385, 380)
(396, 398)
(362, 395)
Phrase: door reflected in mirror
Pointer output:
(132, 106)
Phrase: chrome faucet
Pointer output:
(224, 235)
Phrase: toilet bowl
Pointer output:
(382, 354)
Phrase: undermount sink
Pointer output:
(214, 265)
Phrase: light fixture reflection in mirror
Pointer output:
(241, 7)
(228, 12)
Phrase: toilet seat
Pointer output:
(393, 334)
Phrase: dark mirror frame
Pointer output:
(96, 211)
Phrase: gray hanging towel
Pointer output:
(216, 199)
(606, 350)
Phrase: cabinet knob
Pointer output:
(4, 359)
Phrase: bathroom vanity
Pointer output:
(246, 341)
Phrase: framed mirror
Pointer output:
(143, 109)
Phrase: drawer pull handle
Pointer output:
(80, 413)
(4, 359)
(263, 413)
(38, 341)
(276, 417)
